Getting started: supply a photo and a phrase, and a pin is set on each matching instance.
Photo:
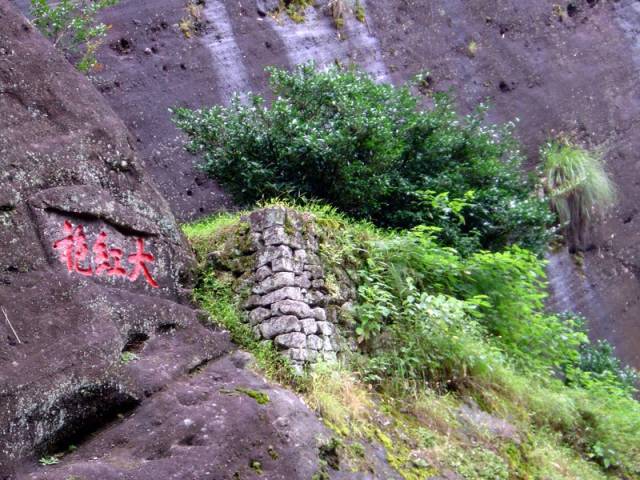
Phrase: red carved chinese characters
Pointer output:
(139, 260)
(74, 251)
(108, 259)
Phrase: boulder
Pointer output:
(92, 261)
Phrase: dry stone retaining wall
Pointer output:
(289, 302)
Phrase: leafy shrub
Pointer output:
(72, 26)
(506, 289)
(598, 365)
(579, 187)
(433, 319)
(369, 150)
(430, 339)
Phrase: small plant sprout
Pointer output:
(192, 22)
(359, 12)
(472, 48)
(128, 357)
(338, 9)
(49, 460)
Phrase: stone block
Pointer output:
(286, 293)
(292, 340)
(316, 271)
(300, 255)
(267, 217)
(283, 264)
(326, 328)
(279, 325)
(262, 273)
(312, 355)
(309, 325)
(296, 240)
(303, 281)
(272, 253)
(275, 236)
(259, 315)
(291, 307)
(314, 342)
(274, 216)
(253, 301)
(298, 354)
(319, 314)
(274, 282)
(315, 298)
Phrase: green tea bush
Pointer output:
(371, 151)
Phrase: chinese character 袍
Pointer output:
(73, 249)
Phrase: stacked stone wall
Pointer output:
(289, 302)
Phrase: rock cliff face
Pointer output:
(92, 335)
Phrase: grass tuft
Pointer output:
(579, 188)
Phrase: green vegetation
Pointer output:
(476, 326)
(337, 8)
(72, 26)
(369, 150)
(49, 460)
(193, 22)
(295, 9)
(358, 11)
(430, 216)
(260, 397)
(128, 357)
(578, 186)
(256, 466)
(437, 332)
(472, 48)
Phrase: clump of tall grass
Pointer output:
(579, 188)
